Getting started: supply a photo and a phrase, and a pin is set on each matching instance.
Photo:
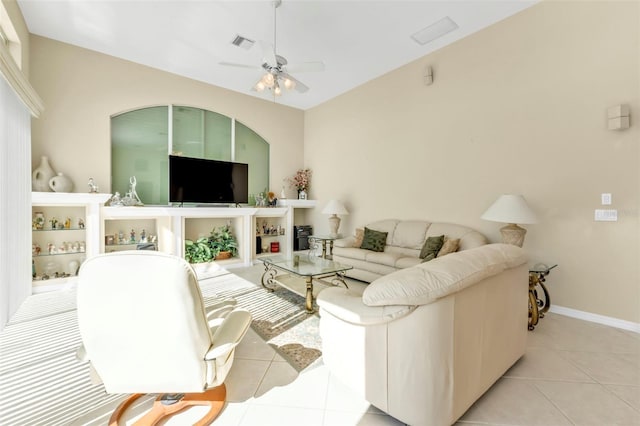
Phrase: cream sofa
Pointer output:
(404, 242)
(424, 343)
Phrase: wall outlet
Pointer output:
(603, 215)
(606, 199)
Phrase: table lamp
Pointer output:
(334, 208)
(511, 209)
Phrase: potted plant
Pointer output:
(198, 251)
(223, 243)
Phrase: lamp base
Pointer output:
(334, 224)
(513, 234)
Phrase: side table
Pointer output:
(538, 306)
(323, 239)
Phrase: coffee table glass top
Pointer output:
(308, 266)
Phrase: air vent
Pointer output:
(434, 31)
(242, 42)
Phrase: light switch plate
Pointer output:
(604, 215)
(606, 199)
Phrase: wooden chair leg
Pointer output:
(213, 398)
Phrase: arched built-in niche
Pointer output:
(142, 139)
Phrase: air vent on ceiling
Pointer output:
(434, 31)
(242, 42)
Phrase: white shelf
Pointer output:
(297, 204)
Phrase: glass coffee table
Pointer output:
(307, 267)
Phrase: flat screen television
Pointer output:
(196, 180)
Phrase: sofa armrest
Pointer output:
(348, 306)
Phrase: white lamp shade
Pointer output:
(510, 208)
(335, 207)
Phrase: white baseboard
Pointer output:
(600, 319)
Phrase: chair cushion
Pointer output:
(427, 282)
(450, 245)
(431, 247)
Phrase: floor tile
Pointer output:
(244, 378)
(253, 347)
(268, 415)
(541, 363)
(515, 402)
(342, 398)
(348, 418)
(629, 394)
(571, 334)
(309, 390)
(279, 374)
(587, 404)
(607, 368)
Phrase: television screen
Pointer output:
(196, 180)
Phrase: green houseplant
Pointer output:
(223, 242)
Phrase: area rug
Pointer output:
(279, 317)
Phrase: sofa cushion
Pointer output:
(383, 258)
(450, 246)
(431, 247)
(350, 252)
(410, 234)
(387, 225)
(407, 262)
(469, 238)
(427, 282)
(374, 240)
(358, 237)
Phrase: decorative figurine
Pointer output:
(115, 200)
(81, 223)
(93, 188)
(132, 236)
(54, 222)
(143, 236)
(133, 195)
(67, 223)
(121, 237)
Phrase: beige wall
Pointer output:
(518, 108)
(82, 89)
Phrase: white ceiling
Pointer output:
(357, 40)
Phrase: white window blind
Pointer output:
(15, 202)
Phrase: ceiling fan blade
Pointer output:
(268, 54)
(300, 87)
(306, 67)
(233, 64)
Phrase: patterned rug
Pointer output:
(279, 317)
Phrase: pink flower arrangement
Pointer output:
(301, 179)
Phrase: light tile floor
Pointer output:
(573, 373)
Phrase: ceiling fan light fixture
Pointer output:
(259, 86)
(277, 90)
(268, 79)
(289, 84)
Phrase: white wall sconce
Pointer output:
(428, 76)
(618, 117)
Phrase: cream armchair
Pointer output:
(145, 329)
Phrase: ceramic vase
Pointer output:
(60, 183)
(302, 195)
(41, 176)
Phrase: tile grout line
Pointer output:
(566, 416)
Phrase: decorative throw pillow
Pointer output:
(450, 246)
(373, 240)
(431, 247)
(359, 236)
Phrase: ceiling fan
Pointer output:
(277, 69)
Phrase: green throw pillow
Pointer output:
(374, 240)
(431, 248)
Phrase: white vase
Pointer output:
(41, 176)
(302, 195)
(60, 183)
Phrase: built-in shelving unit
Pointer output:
(108, 229)
(65, 232)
